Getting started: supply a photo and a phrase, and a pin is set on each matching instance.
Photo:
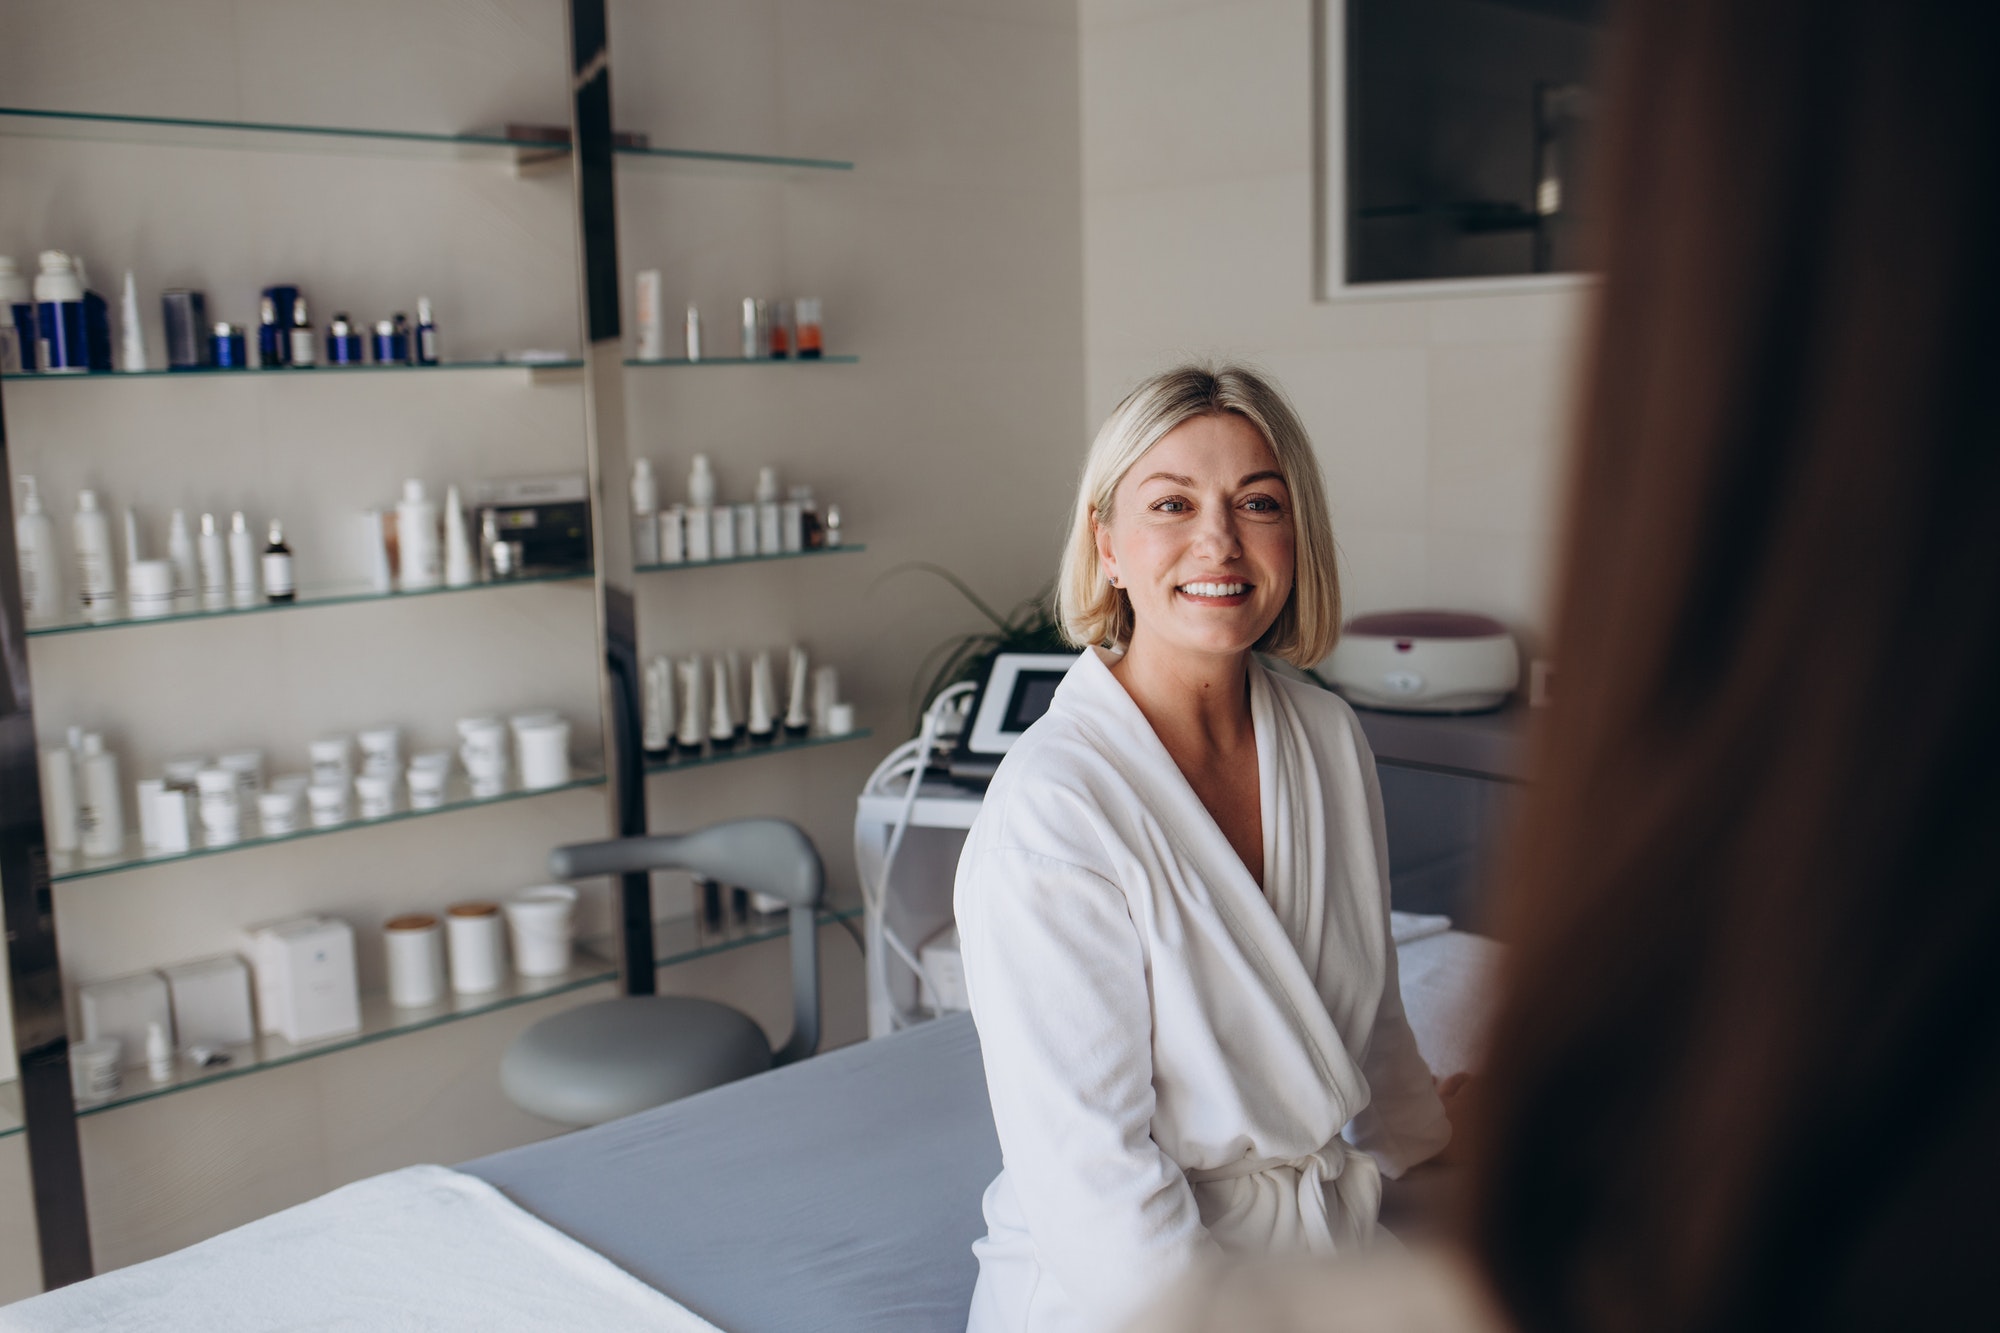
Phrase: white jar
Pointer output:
(540, 925)
(278, 811)
(328, 804)
(382, 751)
(473, 930)
(427, 786)
(220, 805)
(332, 761)
(375, 794)
(93, 1068)
(415, 945)
(544, 750)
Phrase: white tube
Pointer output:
(798, 718)
(689, 735)
(59, 803)
(459, 569)
(214, 565)
(132, 334)
(652, 333)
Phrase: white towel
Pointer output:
(1408, 927)
(414, 1251)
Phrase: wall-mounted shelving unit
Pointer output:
(621, 770)
(523, 156)
(681, 940)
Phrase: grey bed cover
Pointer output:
(841, 1193)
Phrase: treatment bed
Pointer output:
(837, 1195)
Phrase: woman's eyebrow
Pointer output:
(1278, 477)
(1168, 477)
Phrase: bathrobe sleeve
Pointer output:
(1057, 981)
(1404, 1122)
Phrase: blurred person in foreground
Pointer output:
(1745, 1072)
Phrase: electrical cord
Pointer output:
(907, 761)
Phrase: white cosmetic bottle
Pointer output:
(35, 548)
(701, 504)
(100, 807)
(180, 554)
(132, 334)
(459, 569)
(242, 562)
(213, 564)
(95, 582)
(770, 529)
(650, 319)
(416, 539)
(645, 513)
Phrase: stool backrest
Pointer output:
(768, 856)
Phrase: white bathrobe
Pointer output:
(1173, 1054)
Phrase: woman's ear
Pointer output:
(1106, 561)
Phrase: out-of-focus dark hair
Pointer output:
(1747, 1071)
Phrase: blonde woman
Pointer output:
(1174, 906)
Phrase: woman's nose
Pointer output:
(1216, 536)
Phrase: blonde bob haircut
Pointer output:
(1092, 612)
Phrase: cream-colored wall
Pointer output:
(1438, 421)
(950, 261)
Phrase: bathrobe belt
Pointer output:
(1357, 1185)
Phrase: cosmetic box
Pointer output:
(306, 988)
(212, 1002)
(124, 1009)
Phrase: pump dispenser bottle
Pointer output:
(95, 580)
(35, 549)
(416, 539)
(645, 513)
(213, 566)
(242, 562)
(701, 503)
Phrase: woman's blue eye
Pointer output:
(1263, 504)
(1170, 506)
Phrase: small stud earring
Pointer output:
(1112, 580)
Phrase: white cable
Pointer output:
(908, 760)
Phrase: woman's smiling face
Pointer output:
(1201, 539)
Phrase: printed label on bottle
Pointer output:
(277, 575)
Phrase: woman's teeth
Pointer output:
(1215, 589)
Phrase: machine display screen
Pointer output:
(1032, 692)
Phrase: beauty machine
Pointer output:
(1015, 692)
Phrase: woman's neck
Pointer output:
(1194, 703)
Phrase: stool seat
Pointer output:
(600, 1061)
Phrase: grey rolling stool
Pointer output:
(600, 1061)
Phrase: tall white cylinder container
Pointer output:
(473, 931)
(415, 945)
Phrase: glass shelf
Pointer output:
(744, 750)
(304, 601)
(676, 940)
(681, 361)
(471, 147)
(531, 370)
(844, 548)
(65, 866)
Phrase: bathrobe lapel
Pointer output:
(1281, 928)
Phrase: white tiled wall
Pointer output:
(1439, 422)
